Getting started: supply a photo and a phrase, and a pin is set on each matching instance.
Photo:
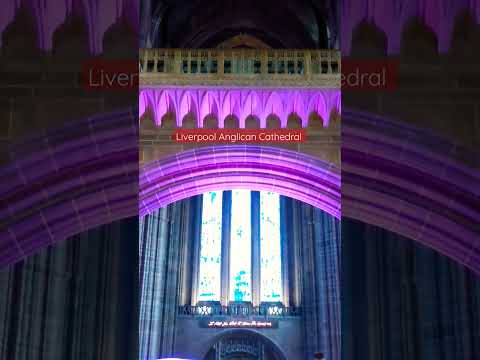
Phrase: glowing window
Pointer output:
(241, 247)
(241, 237)
(270, 248)
(211, 247)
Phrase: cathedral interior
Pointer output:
(361, 243)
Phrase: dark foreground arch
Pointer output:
(86, 174)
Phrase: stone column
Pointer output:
(284, 253)
(225, 266)
(256, 248)
(195, 241)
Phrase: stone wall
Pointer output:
(322, 142)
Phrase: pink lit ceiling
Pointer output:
(389, 16)
(392, 16)
(240, 103)
(49, 15)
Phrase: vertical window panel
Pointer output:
(241, 247)
(270, 248)
(210, 247)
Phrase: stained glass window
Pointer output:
(211, 247)
(240, 260)
(241, 247)
(270, 248)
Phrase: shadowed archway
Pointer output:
(273, 348)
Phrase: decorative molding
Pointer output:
(241, 103)
(215, 310)
(232, 81)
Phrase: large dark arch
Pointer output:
(86, 174)
(413, 183)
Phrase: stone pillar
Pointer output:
(75, 299)
(285, 253)
(256, 256)
(225, 266)
(221, 63)
(308, 65)
(195, 242)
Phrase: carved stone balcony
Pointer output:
(266, 310)
(240, 67)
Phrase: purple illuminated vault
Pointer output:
(240, 167)
(49, 15)
(240, 103)
(405, 180)
(392, 16)
(389, 16)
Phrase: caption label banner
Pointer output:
(238, 324)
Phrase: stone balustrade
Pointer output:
(240, 67)
(265, 310)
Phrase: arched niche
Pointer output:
(252, 122)
(465, 46)
(168, 121)
(273, 122)
(120, 41)
(210, 122)
(20, 37)
(231, 122)
(419, 43)
(294, 121)
(368, 41)
(71, 39)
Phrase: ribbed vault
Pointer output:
(240, 103)
(226, 167)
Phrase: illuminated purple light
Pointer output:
(99, 16)
(240, 167)
(240, 103)
(413, 187)
(391, 18)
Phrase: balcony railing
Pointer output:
(238, 310)
(305, 68)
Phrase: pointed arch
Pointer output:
(188, 105)
(209, 106)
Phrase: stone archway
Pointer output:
(413, 183)
(197, 171)
(242, 345)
